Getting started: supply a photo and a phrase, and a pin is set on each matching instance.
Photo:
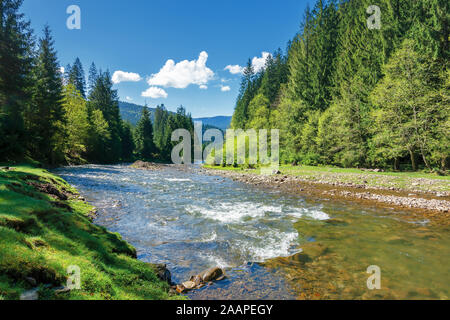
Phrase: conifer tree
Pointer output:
(144, 136)
(92, 78)
(77, 77)
(15, 78)
(45, 116)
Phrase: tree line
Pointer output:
(346, 95)
(55, 117)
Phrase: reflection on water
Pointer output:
(192, 222)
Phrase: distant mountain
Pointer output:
(132, 113)
(221, 122)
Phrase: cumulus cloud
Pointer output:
(182, 74)
(258, 64)
(234, 69)
(129, 98)
(155, 93)
(225, 88)
(62, 70)
(203, 87)
(121, 76)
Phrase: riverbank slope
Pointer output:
(45, 227)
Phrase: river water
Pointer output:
(272, 245)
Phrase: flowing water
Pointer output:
(272, 245)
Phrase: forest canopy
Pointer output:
(348, 95)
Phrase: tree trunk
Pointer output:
(444, 163)
(425, 160)
(396, 164)
(413, 160)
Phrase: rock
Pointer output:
(197, 280)
(189, 285)
(211, 274)
(276, 172)
(61, 290)
(221, 278)
(31, 281)
(180, 288)
(163, 273)
(32, 294)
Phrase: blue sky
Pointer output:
(140, 36)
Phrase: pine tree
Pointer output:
(99, 138)
(160, 121)
(15, 76)
(128, 145)
(92, 79)
(145, 146)
(45, 116)
(77, 77)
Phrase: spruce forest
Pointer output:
(346, 95)
(54, 117)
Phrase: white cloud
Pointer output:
(225, 88)
(260, 63)
(203, 87)
(62, 70)
(129, 98)
(182, 74)
(121, 76)
(234, 69)
(155, 93)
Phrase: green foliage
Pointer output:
(16, 45)
(352, 96)
(143, 137)
(45, 119)
(104, 98)
(77, 124)
(77, 77)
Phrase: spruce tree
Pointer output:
(104, 98)
(128, 145)
(145, 146)
(45, 115)
(16, 45)
(92, 78)
(77, 77)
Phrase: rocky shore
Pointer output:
(430, 204)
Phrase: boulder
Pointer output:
(189, 285)
(162, 272)
(211, 274)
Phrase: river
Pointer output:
(272, 245)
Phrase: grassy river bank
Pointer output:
(45, 227)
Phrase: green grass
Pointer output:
(41, 240)
(399, 180)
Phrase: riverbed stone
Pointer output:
(212, 274)
(162, 272)
(189, 285)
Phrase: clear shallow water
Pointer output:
(193, 222)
